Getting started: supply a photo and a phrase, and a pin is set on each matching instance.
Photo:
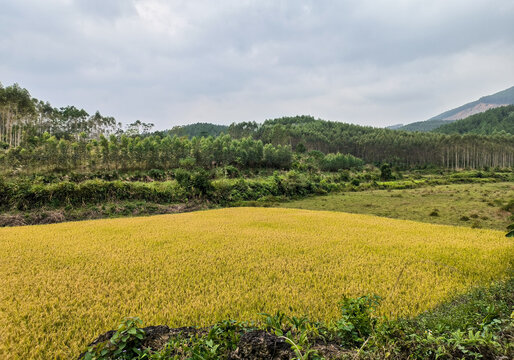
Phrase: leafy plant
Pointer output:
(510, 232)
(274, 322)
(124, 344)
(357, 321)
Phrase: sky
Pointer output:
(367, 62)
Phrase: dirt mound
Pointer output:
(253, 345)
(156, 337)
(260, 345)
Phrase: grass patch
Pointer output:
(455, 204)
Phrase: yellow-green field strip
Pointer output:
(64, 284)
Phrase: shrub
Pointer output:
(355, 182)
(343, 176)
(434, 212)
(476, 225)
(357, 321)
(336, 162)
(157, 174)
(386, 172)
(231, 172)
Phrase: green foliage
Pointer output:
(124, 344)
(42, 137)
(510, 231)
(50, 154)
(231, 172)
(494, 121)
(300, 148)
(476, 325)
(336, 162)
(355, 182)
(357, 319)
(434, 212)
(194, 182)
(196, 130)
(386, 172)
(401, 148)
(221, 339)
(423, 126)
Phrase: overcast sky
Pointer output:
(368, 62)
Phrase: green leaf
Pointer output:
(510, 234)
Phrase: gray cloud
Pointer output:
(176, 62)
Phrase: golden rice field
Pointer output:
(62, 285)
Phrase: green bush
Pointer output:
(124, 344)
(357, 321)
(336, 162)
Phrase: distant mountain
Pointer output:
(394, 127)
(493, 121)
(197, 130)
(427, 125)
(502, 98)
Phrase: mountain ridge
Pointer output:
(501, 98)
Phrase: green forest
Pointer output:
(36, 137)
(494, 121)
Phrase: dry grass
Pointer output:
(64, 284)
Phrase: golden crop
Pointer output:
(62, 285)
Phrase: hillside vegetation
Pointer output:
(374, 145)
(424, 126)
(494, 121)
(64, 284)
(196, 130)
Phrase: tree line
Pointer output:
(23, 117)
(127, 153)
(35, 135)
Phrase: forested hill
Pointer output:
(34, 135)
(305, 133)
(502, 98)
(491, 122)
(198, 129)
(424, 126)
